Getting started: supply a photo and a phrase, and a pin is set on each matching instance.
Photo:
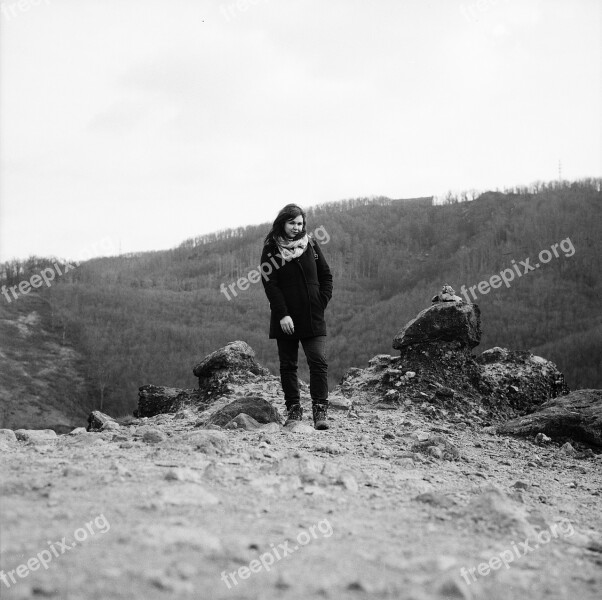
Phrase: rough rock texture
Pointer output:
(232, 363)
(243, 421)
(455, 322)
(98, 421)
(577, 415)
(377, 519)
(154, 400)
(219, 374)
(524, 380)
(253, 406)
(437, 373)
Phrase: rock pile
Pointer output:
(437, 372)
(218, 373)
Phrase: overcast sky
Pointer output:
(140, 123)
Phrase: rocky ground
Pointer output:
(388, 503)
(411, 494)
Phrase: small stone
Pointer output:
(74, 471)
(97, 420)
(542, 438)
(521, 485)
(242, 421)
(299, 427)
(8, 436)
(271, 428)
(208, 441)
(110, 426)
(348, 480)
(169, 584)
(567, 449)
(153, 436)
(435, 451)
(435, 499)
(36, 436)
(78, 431)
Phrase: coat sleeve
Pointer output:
(271, 288)
(324, 274)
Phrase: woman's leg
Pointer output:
(315, 352)
(288, 353)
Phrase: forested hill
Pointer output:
(147, 318)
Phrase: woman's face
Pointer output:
(293, 226)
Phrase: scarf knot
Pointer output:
(290, 249)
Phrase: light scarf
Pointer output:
(290, 249)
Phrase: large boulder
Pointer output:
(234, 356)
(157, 399)
(233, 364)
(577, 415)
(457, 323)
(521, 379)
(253, 406)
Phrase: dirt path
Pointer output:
(317, 514)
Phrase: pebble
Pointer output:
(153, 436)
(36, 436)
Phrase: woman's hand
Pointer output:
(287, 325)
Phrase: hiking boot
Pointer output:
(295, 413)
(320, 411)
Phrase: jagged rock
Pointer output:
(234, 363)
(458, 323)
(36, 436)
(254, 406)
(567, 449)
(155, 399)
(78, 431)
(577, 415)
(97, 420)
(244, 422)
(525, 380)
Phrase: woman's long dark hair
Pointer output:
(290, 211)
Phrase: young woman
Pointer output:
(299, 288)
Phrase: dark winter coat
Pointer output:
(300, 288)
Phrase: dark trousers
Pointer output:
(315, 352)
